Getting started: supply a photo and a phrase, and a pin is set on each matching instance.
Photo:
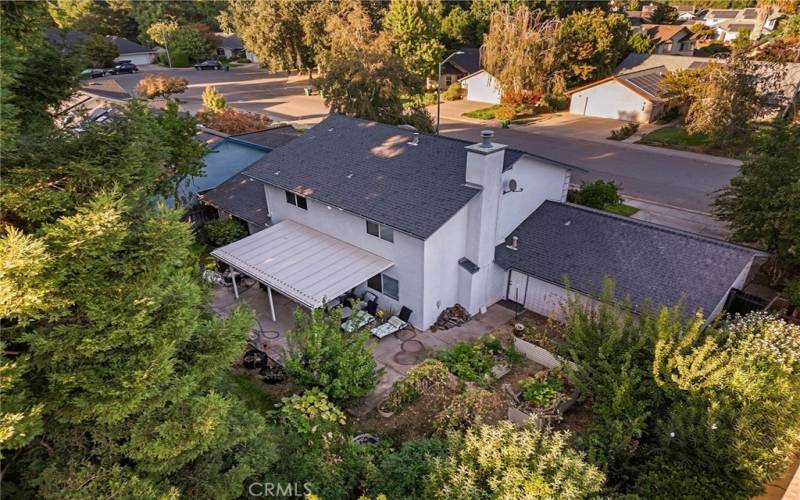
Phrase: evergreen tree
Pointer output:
(213, 100)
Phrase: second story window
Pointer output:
(381, 231)
(296, 200)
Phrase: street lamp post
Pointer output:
(439, 88)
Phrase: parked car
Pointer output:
(208, 65)
(124, 67)
(93, 72)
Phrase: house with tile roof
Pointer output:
(426, 222)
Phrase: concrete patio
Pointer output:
(394, 354)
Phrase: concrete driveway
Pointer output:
(245, 87)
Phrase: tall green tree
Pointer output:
(272, 30)
(641, 43)
(364, 77)
(762, 203)
(92, 16)
(459, 30)
(593, 44)
(415, 26)
(98, 51)
(663, 13)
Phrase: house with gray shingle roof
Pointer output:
(426, 222)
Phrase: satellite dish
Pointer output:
(512, 187)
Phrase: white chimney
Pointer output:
(484, 169)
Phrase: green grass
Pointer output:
(249, 389)
(483, 113)
(622, 209)
(676, 136)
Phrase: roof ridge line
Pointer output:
(658, 227)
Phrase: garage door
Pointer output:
(137, 59)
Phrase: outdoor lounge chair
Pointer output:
(394, 325)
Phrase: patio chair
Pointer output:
(372, 307)
(394, 325)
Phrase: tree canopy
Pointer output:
(593, 44)
(415, 26)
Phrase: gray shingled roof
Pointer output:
(241, 196)
(270, 138)
(369, 169)
(646, 261)
(126, 46)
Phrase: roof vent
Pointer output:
(277, 172)
(568, 222)
(350, 175)
(415, 140)
(486, 139)
(513, 245)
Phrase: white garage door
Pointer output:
(137, 59)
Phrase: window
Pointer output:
(381, 231)
(296, 200)
(448, 80)
(220, 51)
(385, 285)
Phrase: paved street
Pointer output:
(667, 177)
(245, 87)
(644, 172)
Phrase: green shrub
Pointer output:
(503, 461)
(453, 93)
(223, 231)
(506, 112)
(180, 59)
(311, 413)
(470, 362)
(623, 132)
(556, 102)
(322, 355)
(430, 376)
(542, 390)
(471, 407)
(792, 292)
(402, 473)
(598, 194)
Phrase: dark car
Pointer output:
(93, 72)
(124, 67)
(208, 65)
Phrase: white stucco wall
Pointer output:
(482, 87)
(542, 297)
(539, 182)
(406, 252)
(444, 278)
(611, 100)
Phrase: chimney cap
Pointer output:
(486, 138)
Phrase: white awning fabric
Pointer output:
(302, 263)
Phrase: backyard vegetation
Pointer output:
(602, 195)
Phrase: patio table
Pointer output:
(357, 320)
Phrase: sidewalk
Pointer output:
(678, 218)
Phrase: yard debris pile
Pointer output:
(451, 317)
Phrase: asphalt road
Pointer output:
(679, 182)
(647, 174)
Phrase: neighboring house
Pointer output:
(688, 13)
(481, 87)
(228, 157)
(231, 46)
(128, 50)
(670, 39)
(634, 92)
(729, 22)
(426, 221)
(132, 51)
(459, 66)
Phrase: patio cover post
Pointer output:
(271, 304)
(233, 280)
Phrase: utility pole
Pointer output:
(166, 46)
(439, 88)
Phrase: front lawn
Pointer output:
(621, 209)
(676, 136)
(483, 113)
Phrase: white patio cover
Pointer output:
(302, 263)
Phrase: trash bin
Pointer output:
(226, 67)
(307, 90)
